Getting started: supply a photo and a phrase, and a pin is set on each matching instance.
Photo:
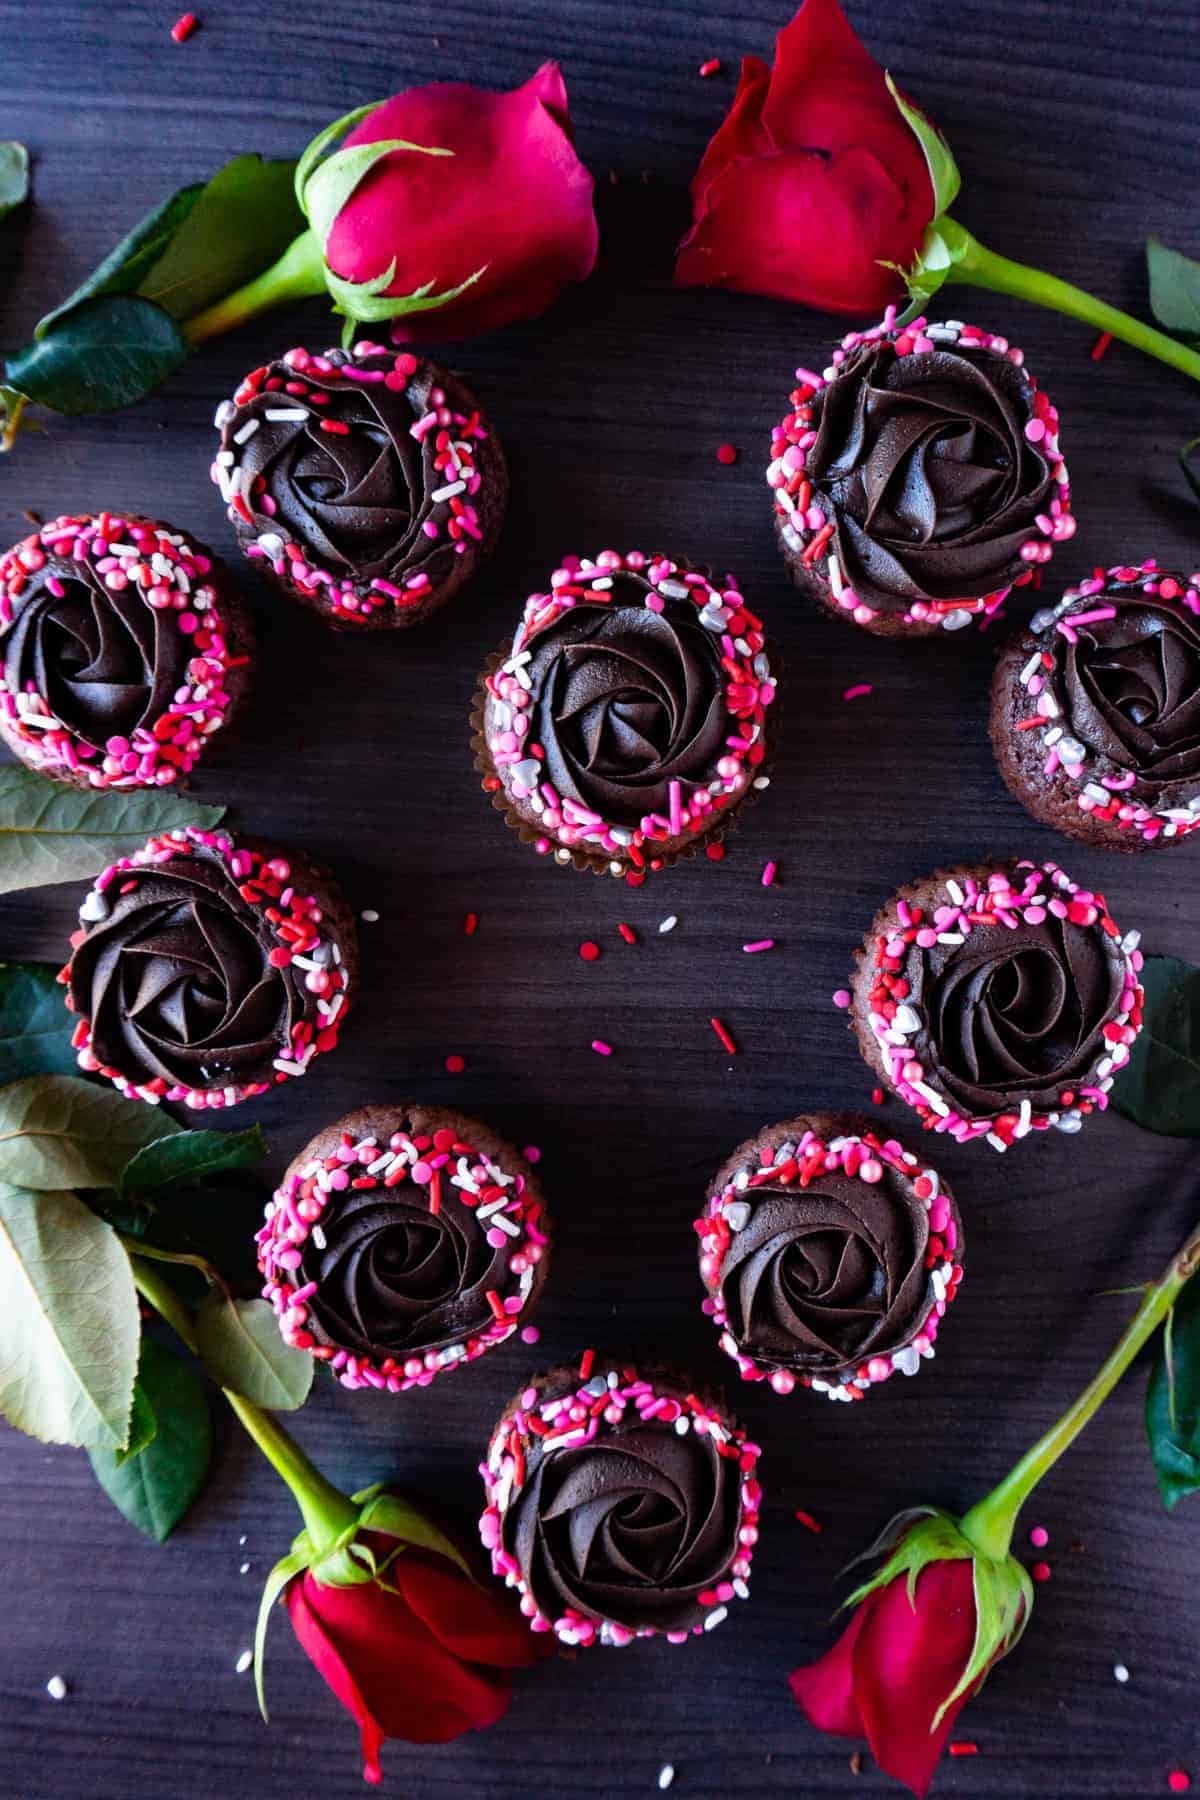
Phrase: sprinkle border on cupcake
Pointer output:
(849, 1153)
(806, 529)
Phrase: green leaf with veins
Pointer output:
(50, 833)
(35, 1026)
(238, 225)
(1174, 289)
(1173, 1399)
(191, 1156)
(156, 1488)
(1159, 1087)
(104, 354)
(137, 252)
(59, 1131)
(243, 1350)
(14, 174)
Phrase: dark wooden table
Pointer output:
(1075, 127)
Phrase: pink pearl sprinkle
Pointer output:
(842, 997)
(1039, 1537)
(530, 1334)
(1035, 431)
(531, 1153)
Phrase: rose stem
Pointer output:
(990, 1524)
(299, 273)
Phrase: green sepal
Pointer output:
(944, 245)
(366, 302)
(939, 158)
(294, 1563)
(332, 182)
(312, 152)
(397, 1518)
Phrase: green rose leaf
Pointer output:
(1173, 1400)
(133, 257)
(49, 832)
(236, 226)
(59, 1131)
(1159, 1087)
(155, 1488)
(35, 1026)
(943, 170)
(242, 1350)
(71, 1325)
(143, 1421)
(14, 175)
(190, 1156)
(1174, 289)
(105, 353)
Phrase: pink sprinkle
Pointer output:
(1039, 1537)
(530, 1334)
(183, 27)
(768, 874)
(531, 1153)
(601, 1048)
(710, 67)
(857, 692)
(1179, 1781)
(842, 997)
(1035, 430)
(759, 944)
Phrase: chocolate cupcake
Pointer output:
(403, 1241)
(830, 1256)
(626, 722)
(123, 652)
(918, 479)
(1096, 710)
(620, 1504)
(997, 1000)
(366, 484)
(206, 969)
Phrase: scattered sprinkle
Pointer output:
(628, 933)
(1179, 1781)
(245, 1569)
(244, 1661)
(601, 1048)
(963, 1747)
(530, 1334)
(759, 944)
(242, 1539)
(56, 1687)
(727, 453)
(808, 1522)
(369, 916)
(183, 27)
(1040, 1571)
(531, 1153)
(724, 1036)
(858, 691)
(1120, 1673)
(667, 924)
(1101, 345)
(470, 924)
(455, 1065)
(1039, 1537)
(841, 997)
(768, 874)
(714, 852)
(711, 67)
(876, 1096)
(589, 951)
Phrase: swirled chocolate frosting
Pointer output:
(627, 700)
(103, 659)
(631, 1527)
(393, 1277)
(1014, 1014)
(343, 474)
(1130, 691)
(922, 464)
(818, 1278)
(177, 982)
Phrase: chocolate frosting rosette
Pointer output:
(626, 722)
(918, 479)
(829, 1256)
(998, 1000)
(1096, 710)
(366, 484)
(404, 1241)
(123, 652)
(206, 969)
(622, 1502)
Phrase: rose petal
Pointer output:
(742, 132)
(478, 1623)
(322, 1653)
(825, 1689)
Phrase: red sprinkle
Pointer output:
(588, 950)
(1101, 345)
(1040, 1571)
(710, 68)
(469, 924)
(1179, 1781)
(964, 1747)
(727, 453)
(807, 1520)
(586, 1362)
(724, 1036)
(184, 26)
(877, 1096)
(715, 852)
(455, 1065)
(628, 933)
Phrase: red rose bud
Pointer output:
(450, 209)
(814, 182)
(927, 1629)
(400, 1631)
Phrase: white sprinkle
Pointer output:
(666, 1776)
(667, 924)
(448, 492)
(247, 431)
(245, 1569)
(285, 412)
(318, 1238)
(718, 1613)
(244, 1661)
(674, 590)
(56, 1687)
(1120, 1673)
(369, 917)
(242, 1539)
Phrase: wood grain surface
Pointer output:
(1075, 126)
